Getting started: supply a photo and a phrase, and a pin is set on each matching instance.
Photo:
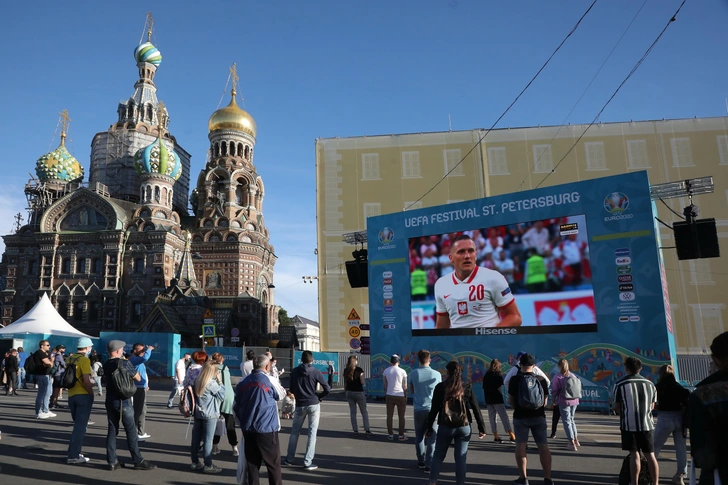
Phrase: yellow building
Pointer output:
(365, 176)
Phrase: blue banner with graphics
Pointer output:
(321, 361)
(164, 356)
(570, 271)
(233, 357)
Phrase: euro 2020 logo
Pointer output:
(386, 235)
(616, 203)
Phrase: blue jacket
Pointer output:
(141, 368)
(255, 404)
(303, 385)
(207, 406)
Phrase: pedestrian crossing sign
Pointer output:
(208, 331)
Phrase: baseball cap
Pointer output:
(394, 359)
(84, 342)
(527, 360)
(115, 345)
(519, 354)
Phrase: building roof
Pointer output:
(297, 319)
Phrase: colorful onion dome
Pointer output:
(146, 52)
(59, 165)
(233, 118)
(158, 158)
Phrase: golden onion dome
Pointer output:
(232, 117)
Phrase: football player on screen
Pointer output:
(473, 296)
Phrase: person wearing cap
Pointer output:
(121, 410)
(527, 420)
(514, 370)
(395, 386)
(707, 411)
(80, 400)
(139, 357)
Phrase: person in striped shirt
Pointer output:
(635, 397)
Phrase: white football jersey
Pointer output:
(475, 301)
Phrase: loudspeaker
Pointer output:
(697, 240)
(358, 273)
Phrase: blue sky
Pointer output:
(338, 68)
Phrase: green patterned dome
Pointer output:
(158, 158)
(59, 165)
(146, 52)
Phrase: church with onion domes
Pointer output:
(132, 249)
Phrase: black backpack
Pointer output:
(454, 412)
(123, 381)
(69, 378)
(644, 476)
(31, 366)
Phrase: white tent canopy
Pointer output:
(41, 319)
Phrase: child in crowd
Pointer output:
(289, 405)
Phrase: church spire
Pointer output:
(185, 276)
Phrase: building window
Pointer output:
(81, 265)
(410, 164)
(595, 158)
(700, 272)
(139, 265)
(63, 309)
(637, 153)
(136, 312)
(66, 266)
(723, 149)
(78, 311)
(409, 205)
(451, 157)
(370, 166)
(33, 267)
(97, 266)
(543, 162)
(708, 322)
(372, 209)
(93, 311)
(497, 161)
(682, 156)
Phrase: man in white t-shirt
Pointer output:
(180, 369)
(395, 385)
(514, 370)
(247, 367)
(472, 296)
(505, 266)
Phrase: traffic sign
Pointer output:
(235, 339)
(354, 331)
(365, 345)
(235, 332)
(363, 327)
(208, 314)
(355, 343)
(353, 315)
(208, 331)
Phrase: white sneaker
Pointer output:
(51, 415)
(144, 436)
(81, 460)
(42, 415)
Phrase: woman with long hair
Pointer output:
(226, 409)
(567, 407)
(493, 394)
(672, 402)
(448, 397)
(354, 387)
(209, 394)
(199, 357)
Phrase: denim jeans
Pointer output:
(80, 406)
(121, 411)
(44, 393)
(567, 417)
(202, 430)
(176, 390)
(357, 399)
(21, 379)
(671, 423)
(313, 412)
(445, 436)
(424, 447)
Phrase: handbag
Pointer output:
(220, 426)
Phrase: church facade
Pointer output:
(123, 252)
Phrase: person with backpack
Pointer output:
(139, 357)
(209, 394)
(423, 381)
(452, 403)
(97, 372)
(527, 395)
(566, 390)
(119, 376)
(39, 364)
(672, 402)
(226, 409)
(77, 379)
(11, 373)
(58, 357)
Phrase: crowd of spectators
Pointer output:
(507, 249)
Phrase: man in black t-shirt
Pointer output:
(533, 420)
(43, 364)
(119, 409)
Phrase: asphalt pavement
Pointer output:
(33, 451)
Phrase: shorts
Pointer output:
(537, 427)
(638, 441)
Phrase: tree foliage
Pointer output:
(283, 317)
